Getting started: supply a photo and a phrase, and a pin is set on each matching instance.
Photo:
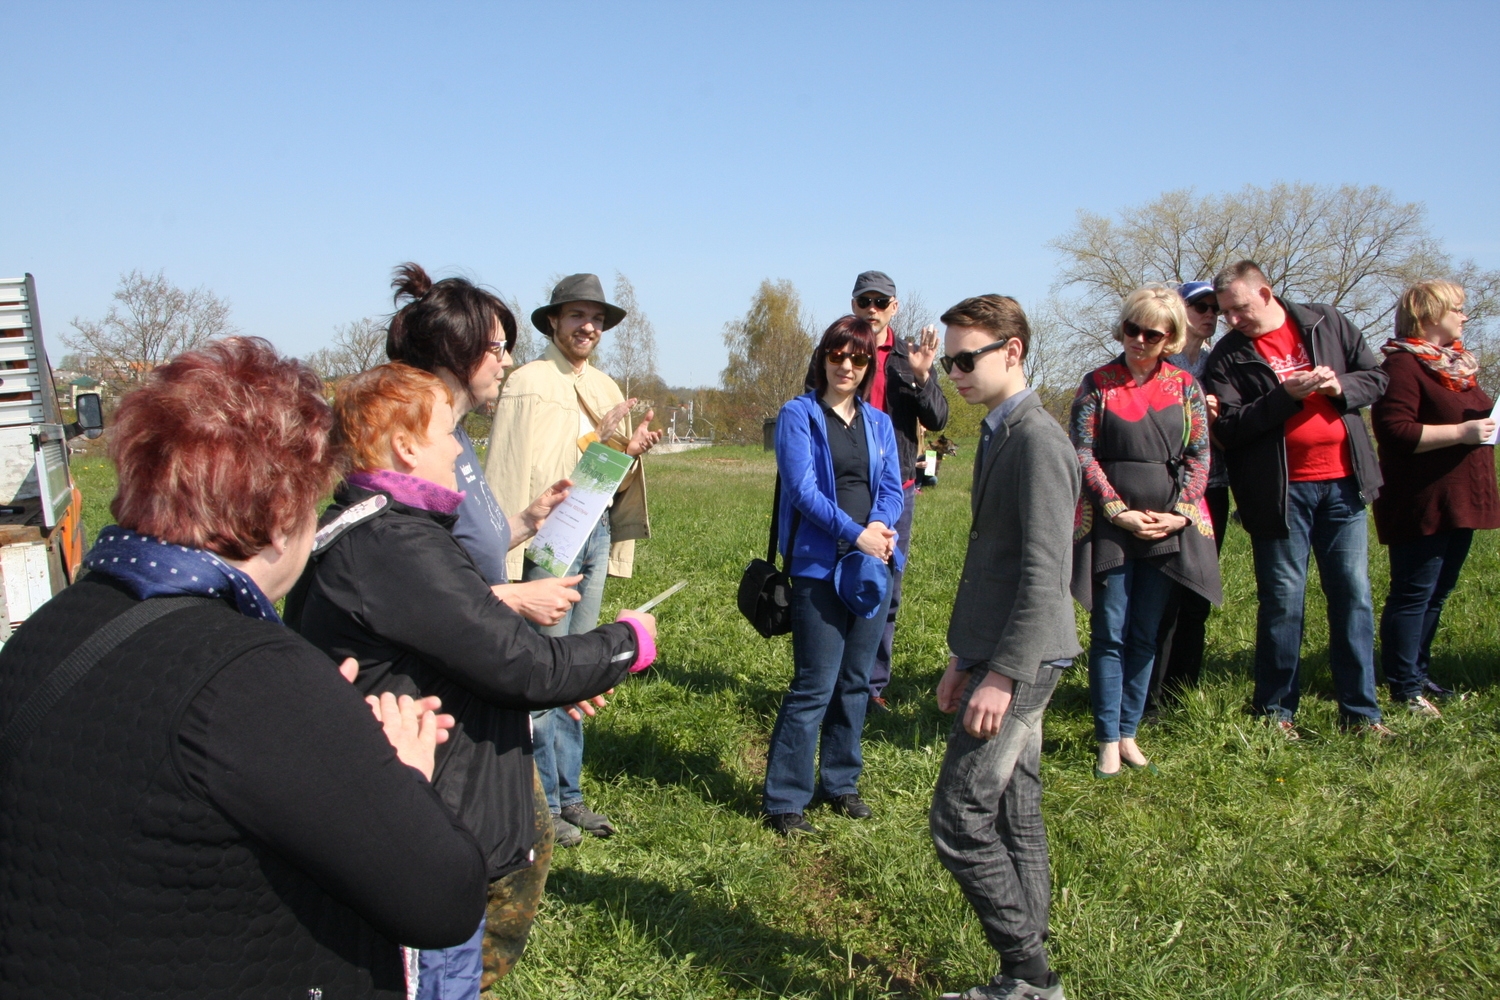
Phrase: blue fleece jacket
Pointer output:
(806, 465)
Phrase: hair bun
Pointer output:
(411, 282)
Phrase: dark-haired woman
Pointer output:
(840, 489)
(210, 810)
(1432, 425)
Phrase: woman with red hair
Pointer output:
(192, 800)
(390, 586)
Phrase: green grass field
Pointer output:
(1337, 867)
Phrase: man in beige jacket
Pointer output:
(549, 411)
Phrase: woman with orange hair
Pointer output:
(390, 586)
(193, 802)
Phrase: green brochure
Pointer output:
(596, 479)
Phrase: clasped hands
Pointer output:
(1322, 379)
(877, 541)
(1149, 524)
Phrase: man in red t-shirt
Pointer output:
(1291, 380)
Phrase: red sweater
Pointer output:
(1438, 490)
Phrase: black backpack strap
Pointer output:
(775, 519)
(45, 696)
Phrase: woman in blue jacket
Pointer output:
(841, 488)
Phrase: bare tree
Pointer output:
(528, 339)
(150, 321)
(630, 357)
(912, 316)
(768, 354)
(356, 346)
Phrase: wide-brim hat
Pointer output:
(576, 288)
(861, 582)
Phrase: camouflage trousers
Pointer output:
(514, 899)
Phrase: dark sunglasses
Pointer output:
(964, 360)
(1149, 336)
(1204, 305)
(878, 301)
(839, 357)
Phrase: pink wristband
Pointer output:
(645, 646)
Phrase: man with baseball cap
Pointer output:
(1179, 648)
(904, 388)
(549, 411)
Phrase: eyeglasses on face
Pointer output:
(881, 302)
(1145, 333)
(964, 360)
(839, 357)
(498, 348)
(1204, 305)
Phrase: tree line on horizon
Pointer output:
(1352, 247)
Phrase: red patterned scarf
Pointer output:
(1454, 367)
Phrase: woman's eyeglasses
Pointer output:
(839, 357)
(964, 360)
(1204, 305)
(1145, 333)
(878, 301)
(498, 349)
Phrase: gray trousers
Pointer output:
(986, 820)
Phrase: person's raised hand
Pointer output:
(1477, 431)
(951, 686)
(644, 437)
(923, 352)
(536, 514)
(988, 705)
(545, 601)
(611, 420)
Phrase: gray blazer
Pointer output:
(1013, 610)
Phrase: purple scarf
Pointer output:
(410, 490)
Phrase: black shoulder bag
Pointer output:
(765, 591)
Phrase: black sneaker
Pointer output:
(791, 824)
(1006, 988)
(851, 806)
(586, 819)
(1432, 689)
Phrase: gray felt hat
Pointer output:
(576, 288)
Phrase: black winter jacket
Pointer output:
(211, 811)
(909, 404)
(1254, 407)
(399, 593)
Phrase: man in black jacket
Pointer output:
(1290, 381)
(906, 390)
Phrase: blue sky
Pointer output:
(287, 156)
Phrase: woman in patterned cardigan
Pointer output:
(1140, 426)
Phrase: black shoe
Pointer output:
(851, 806)
(791, 824)
(1436, 691)
(584, 818)
(565, 834)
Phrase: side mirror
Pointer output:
(90, 414)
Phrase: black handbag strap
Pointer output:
(45, 696)
(775, 523)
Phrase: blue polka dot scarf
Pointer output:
(150, 567)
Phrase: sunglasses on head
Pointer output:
(878, 301)
(1145, 333)
(839, 357)
(1204, 305)
(964, 360)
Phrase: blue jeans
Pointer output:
(1128, 605)
(832, 650)
(556, 737)
(451, 973)
(880, 672)
(1423, 574)
(1327, 519)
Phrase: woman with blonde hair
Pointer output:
(1140, 426)
(1432, 426)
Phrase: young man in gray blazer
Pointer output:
(1011, 635)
